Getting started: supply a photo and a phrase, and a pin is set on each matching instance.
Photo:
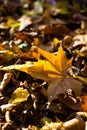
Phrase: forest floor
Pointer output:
(43, 65)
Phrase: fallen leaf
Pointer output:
(70, 101)
(6, 56)
(5, 81)
(24, 37)
(24, 22)
(1, 47)
(82, 79)
(61, 85)
(19, 95)
(58, 107)
(52, 126)
(79, 40)
(9, 22)
(54, 69)
(84, 103)
(38, 7)
(73, 124)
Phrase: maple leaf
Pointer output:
(54, 69)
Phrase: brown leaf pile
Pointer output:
(43, 64)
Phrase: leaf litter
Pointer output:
(43, 65)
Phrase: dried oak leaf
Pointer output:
(54, 69)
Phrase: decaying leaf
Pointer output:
(54, 69)
(19, 95)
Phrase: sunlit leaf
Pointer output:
(24, 22)
(6, 107)
(79, 40)
(82, 79)
(52, 126)
(54, 69)
(6, 56)
(73, 124)
(55, 41)
(19, 95)
(5, 81)
(10, 21)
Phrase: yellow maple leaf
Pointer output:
(54, 70)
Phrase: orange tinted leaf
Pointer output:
(10, 21)
(60, 62)
(1, 47)
(23, 37)
(49, 30)
(84, 103)
(53, 70)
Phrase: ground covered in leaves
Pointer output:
(43, 65)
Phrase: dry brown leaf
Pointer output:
(79, 39)
(54, 70)
(24, 37)
(70, 101)
(24, 22)
(5, 81)
(74, 124)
